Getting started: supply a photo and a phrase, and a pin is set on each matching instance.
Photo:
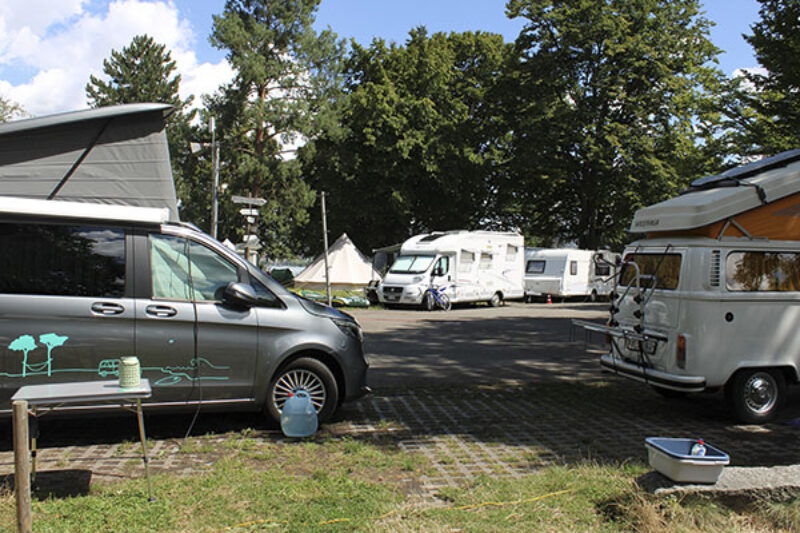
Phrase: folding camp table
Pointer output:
(54, 395)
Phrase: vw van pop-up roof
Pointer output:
(82, 210)
(761, 198)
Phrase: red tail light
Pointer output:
(680, 351)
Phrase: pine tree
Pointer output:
(287, 77)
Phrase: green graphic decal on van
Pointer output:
(107, 367)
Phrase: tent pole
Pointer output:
(325, 243)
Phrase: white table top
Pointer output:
(80, 392)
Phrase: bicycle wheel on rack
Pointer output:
(444, 302)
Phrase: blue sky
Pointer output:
(48, 48)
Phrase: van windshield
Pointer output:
(665, 269)
(412, 264)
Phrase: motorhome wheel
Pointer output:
(427, 302)
(756, 394)
(305, 374)
(495, 300)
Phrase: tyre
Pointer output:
(495, 300)
(669, 393)
(305, 374)
(756, 394)
(428, 302)
(445, 302)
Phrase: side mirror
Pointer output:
(239, 295)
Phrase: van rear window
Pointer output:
(661, 271)
(763, 271)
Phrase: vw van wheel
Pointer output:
(309, 375)
(495, 300)
(756, 394)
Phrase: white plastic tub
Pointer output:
(672, 458)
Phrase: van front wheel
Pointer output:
(756, 394)
(305, 374)
(495, 300)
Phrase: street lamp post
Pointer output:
(215, 181)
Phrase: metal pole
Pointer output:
(22, 466)
(215, 190)
(325, 241)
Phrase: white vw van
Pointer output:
(709, 297)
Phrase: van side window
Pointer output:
(184, 270)
(486, 261)
(511, 253)
(443, 265)
(467, 260)
(56, 260)
(763, 271)
(266, 298)
(573, 268)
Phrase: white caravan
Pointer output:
(709, 298)
(472, 266)
(568, 272)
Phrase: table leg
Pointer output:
(22, 479)
(145, 457)
(34, 429)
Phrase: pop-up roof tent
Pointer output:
(110, 155)
(348, 268)
(758, 200)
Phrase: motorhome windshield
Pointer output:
(660, 271)
(412, 264)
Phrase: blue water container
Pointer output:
(298, 417)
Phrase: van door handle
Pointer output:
(107, 308)
(161, 311)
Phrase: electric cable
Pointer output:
(195, 333)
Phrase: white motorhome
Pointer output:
(568, 272)
(474, 266)
(709, 297)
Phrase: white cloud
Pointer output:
(58, 48)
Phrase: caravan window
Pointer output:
(535, 266)
(665, 269)
(467, 260)
(486, 261)
(602, 269)
(763, 271)
(573, 268)
(412, 264)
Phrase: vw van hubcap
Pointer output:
(761, 392)
(299, 379)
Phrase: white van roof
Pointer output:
(719, 197)
(83, 210)
(447, 241)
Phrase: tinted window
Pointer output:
(266, 298)
(664, 268)
(602, 269)
(535, 266)
(763, 271)
(573, 268)
(62, 260)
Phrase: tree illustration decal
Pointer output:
(52, 340)
(23, 343)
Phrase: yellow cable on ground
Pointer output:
(459, 508)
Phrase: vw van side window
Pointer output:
(60, 260)
(184, 270)
(663, 269)
(763, 271)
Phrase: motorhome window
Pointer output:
(511, 253)
(432, 237)
(763, 271)
(412, 264)
(486, 261)
(573, 268)
(535, 266)
(665, 269)
(467, 260)
(443, 266)
(174, 259)
(62, 260)
(601, 269)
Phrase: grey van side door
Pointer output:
(191, 346)
(66, 303)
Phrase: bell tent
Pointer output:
(349, 269)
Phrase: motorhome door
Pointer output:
(440, 274)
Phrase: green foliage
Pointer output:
(769, 111)
(10, 110)
(287, 76)
(422, 141)
(144, 72)
(603, 100)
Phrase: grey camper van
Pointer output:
(83, 284)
